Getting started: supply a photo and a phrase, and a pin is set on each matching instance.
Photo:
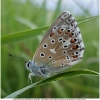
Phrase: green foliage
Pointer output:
(24, 19)
(21, 35)
(68, 74)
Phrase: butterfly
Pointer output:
(61, 47)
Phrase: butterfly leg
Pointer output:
(29, 76)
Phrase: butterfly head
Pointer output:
(29, 65)
(36, 70)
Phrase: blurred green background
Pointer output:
(22, 15)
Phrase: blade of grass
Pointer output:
(87, 19)
(68, 74)
(21, 35)
(32, 33)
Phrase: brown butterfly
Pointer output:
(61, 47)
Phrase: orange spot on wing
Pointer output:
(51, 34)
(70, 35)
(59, 32)
(72, 41)
(74, 47)
(67, 32)
(75, 56)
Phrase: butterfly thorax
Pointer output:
(37, 70)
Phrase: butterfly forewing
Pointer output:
(62, 45)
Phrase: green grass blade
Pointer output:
(68, 74)
(87, 19)
(21, 35)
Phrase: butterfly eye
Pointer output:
(42, 54)
(28, 64)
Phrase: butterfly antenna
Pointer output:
(20, 56)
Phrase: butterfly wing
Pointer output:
(62, 45)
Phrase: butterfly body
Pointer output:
(61, 47)
(36, 70)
